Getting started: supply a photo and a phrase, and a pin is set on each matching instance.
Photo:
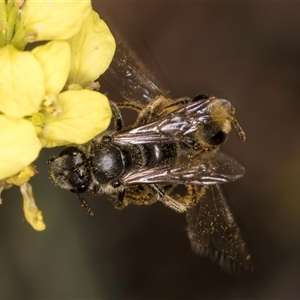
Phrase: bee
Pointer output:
(173, 142)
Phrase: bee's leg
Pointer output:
(154, 109)
(191, 143)
(151, 111)
(135, 106)
(119, 200)
(160, 107)
(167, 200)
(176, 103)
(136, 194)
(118, 119)
(193, 195)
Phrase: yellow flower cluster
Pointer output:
(46, 94)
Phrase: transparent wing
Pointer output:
(131, 78)
(214, 233)
(200, 170)
(127, 73)
(176, 126)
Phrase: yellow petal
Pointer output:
(32, 214)
(85, 114)
(54, 58)
(19, 145)
(92, 51)
(50, 20)
(21, 82)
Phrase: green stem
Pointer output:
(3, 23)
(11, 23)
(19, 39)
(10, 4)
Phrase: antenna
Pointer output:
(238, 128)
(85, 205)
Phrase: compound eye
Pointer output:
(218, 138)
(200, 97)
(81, 188)
(72, 151)
(106, 139)
(116, 183)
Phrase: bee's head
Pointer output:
(220, 120)
(70, 170)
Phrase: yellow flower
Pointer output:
(23, 176)
(95, 43)
(19, 146)
(72, 116)
(21, 84)
(48, 20)
(46, 96)
(33, 82)
(32, 214)
(84, 114)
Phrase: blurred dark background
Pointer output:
(247, 53)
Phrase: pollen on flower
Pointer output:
(51, 106)
(23, 176)
(19, 3)
(50, 99)
(54, 110)
(32, 214)
(30, 37)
